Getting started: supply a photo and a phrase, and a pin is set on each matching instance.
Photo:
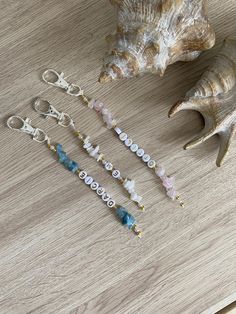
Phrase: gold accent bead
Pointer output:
(136, 231)
(51, 147)
(85, 99)
(77, 133)
(140, 234)
(122, 180)
(142, 208)
(101, 157)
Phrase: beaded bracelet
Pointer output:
(44, 108)
(19, 124)
(53, 78)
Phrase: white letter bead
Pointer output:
(105, 197)
(123, 136)
(100, 191)
(146, 158)
(140, 152)
(116, 174)
(108, 166)
(134, 148)
(151, 163)
(88, 180)
(111, 203)
(128, 142)
(87, 145)
(118, 130)
(82, 175)
(94, 186)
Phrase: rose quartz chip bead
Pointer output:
(99, 107)
(168, 183)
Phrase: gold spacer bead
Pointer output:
(136, 231)
(139, 234)
(80, 136)
(101, 157)
(51, 147)
(122, 180)
(142, 208)
(84, 99)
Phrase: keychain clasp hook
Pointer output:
(17, 123)
(44, 108)
(52, 77)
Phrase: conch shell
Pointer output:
(151, 34)
(214, 96)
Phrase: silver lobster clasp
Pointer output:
(17, 123)
(52, 77)
(44, 108)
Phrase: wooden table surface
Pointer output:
(62, 251)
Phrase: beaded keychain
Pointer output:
(44, 108)
(53, 78)
(18, 124)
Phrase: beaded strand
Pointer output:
(24, 125)
(126, 219)
(128, 184)
(167, 181)
(65, 120)
(53, 78)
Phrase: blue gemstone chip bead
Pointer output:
(125, 218)
(69, 164)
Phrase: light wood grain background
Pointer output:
(61, 249)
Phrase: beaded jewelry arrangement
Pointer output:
(53, 78)
(24, 125)
(44, 108)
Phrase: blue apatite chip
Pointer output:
(69, 164)
(59, 148)
(125, 218)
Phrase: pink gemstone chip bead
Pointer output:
(108, 119)
(167, 182)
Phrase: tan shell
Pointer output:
(151, 34)
(214, 96)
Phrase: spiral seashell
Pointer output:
(151, 34)
(214, 96)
